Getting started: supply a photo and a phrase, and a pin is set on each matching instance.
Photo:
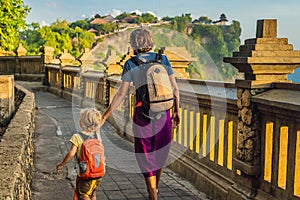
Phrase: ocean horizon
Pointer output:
(295, 78)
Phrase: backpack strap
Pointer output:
(98, 136)
(85, 137)
(159, 56)
(136, 60)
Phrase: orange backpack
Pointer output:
(92, 160)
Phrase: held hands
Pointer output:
(102, 121)
(106, 114)
(175, 119)
(59, 167)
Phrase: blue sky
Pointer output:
(246, 12)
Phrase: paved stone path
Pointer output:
(55, 123)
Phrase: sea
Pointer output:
(295, 78)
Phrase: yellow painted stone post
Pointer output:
(179, 59)
(114, 62)
(48, 54)
(66, 59)
(21, 51)
(7, 105)
(87, 61)
(263, 60)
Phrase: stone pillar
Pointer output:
(6, 53)
(87, 61)
(47, 58)
(266, 58)
(113, 62)
(48, 54)
(7, 97)
(66, 59)
(21, 51)
(263, 60)
(2, 52)
(179, 59)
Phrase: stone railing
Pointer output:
(24, 68)
(267, 139)
(208, 134)
(199, 111)
(16, 150)
(279, 117)
(237, 141)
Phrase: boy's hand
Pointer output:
(59, 168)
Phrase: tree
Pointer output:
(175, 25)
(204, 20)
(31, 38)
(182, 22)
(219, 42)
(122, 16)
(84, 40)
(138, 20)
(35, 25)
(148, 17)
(232, 36)
(12, 20)
(83, 23)
(60, 26)
(167, 18)
(59, 35)
(105, 28)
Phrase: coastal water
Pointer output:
(295, 78)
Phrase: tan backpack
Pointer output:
(155, 93)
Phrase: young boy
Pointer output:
(90, 124)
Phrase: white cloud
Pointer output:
(92, 15)
(116, 12)
(83, 16)
(138, 12)
(51, 5)
(43, 23)
(152, 13)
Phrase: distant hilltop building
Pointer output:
(109, 19)
(222, 20)
(129, 19)
(99, 21)
(103, 20)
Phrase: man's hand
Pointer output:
(175, 119)
(102, 121)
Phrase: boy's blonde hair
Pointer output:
(90, 119)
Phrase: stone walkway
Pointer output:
(55, 123)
